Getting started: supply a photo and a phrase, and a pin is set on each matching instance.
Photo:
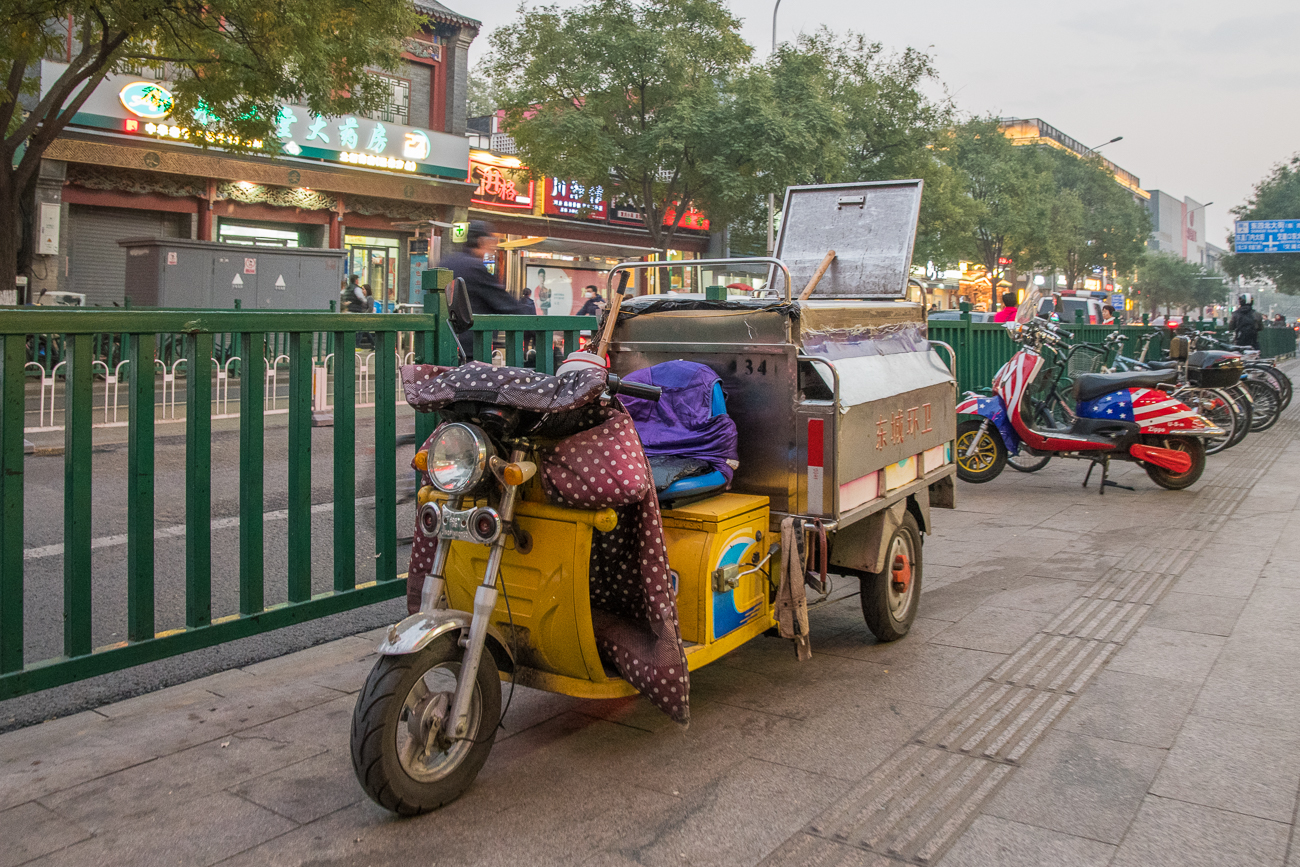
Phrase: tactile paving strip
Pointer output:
(913, 806)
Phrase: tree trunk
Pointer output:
(10, 230)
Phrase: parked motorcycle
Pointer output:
(1120, 416)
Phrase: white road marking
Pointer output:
(178, 530)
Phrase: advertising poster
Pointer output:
(558, 291)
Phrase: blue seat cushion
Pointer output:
(694, 486)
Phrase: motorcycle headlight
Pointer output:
(458, 457)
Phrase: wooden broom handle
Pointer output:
(611, 316)
(817, 276)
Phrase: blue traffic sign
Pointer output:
(1267, 236)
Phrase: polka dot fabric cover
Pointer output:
(634, 611)
(429, 387)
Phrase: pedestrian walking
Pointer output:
(486, 293)
(1245, 322)
(591, 306)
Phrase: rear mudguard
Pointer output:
(993, 409)
(1171, 459)
(416, 631)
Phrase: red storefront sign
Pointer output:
(502, 182)
(692, 219)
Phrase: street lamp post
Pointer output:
(771, 199)
(1103, 144)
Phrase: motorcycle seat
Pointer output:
(1094, 385)
(1162, 365)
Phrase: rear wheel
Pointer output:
(1262, 370)
(890, 597)
(1168, 478)
(1268, 403)
(1215, 407)
(1243, 407)
(981, 454)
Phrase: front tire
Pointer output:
(891, 597)
(1026, 462)
(1168, 478)
(986, 459)
(398, 753)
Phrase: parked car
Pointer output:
(1065, 308)
(975, 316)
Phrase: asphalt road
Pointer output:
(43, 579)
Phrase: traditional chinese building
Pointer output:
(364, 184)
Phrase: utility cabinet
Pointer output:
(173, 272)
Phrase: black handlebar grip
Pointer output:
(634, 389)
(623, 277)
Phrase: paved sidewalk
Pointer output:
(1092, 681)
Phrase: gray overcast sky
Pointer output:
(1206, 93)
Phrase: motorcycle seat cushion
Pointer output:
(1162, 365)
(1093, 385)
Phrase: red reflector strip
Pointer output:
(815, 447)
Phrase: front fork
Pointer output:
(456, 725)
(974, 443)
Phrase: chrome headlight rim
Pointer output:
(483, 450)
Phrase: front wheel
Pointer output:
(399, 752)
(981, 454)
(890, 597)
(1026, 461)
(1168, 478)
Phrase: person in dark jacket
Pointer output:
(591, 306)
(486, 294)
(1245, 322)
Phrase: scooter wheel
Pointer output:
(1025, 462)
(986, 458)
(890, 597)
(1168, 478)
(398, 754)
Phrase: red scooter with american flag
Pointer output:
(1121, 416)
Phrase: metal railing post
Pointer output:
(13, 362)
(76, 497)
(299, 505)
(252, 470)
(140, 490)
(198, 479)
(345, 475)
(385, 457)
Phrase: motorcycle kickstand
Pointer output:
(1105, 468)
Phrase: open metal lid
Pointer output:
(871, 227)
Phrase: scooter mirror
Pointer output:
(1028, 308)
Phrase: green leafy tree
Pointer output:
(1009, 188)
(1093, 222)
(482, 97)
(657, 104)
(1169, 281)
(231, 65)
(1276, 197)
(890, 127)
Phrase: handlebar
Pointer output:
(618, 385)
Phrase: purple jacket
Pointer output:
(682, 423)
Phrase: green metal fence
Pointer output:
(983, 347)
(252, 335)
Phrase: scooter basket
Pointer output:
(1213, 369)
